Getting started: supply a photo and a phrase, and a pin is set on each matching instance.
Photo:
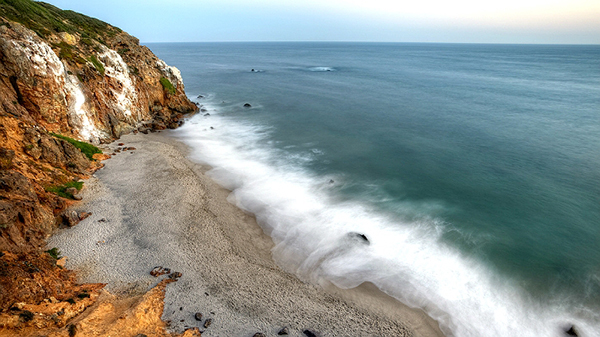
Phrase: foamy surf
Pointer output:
(312, 230)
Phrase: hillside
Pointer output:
(68, 82)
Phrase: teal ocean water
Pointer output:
(473, 170)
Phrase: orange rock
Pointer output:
(101, 156)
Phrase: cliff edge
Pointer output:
(67, 81)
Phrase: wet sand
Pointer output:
(153, 207)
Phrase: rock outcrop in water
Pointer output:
(64, 77)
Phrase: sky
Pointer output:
(456, 21)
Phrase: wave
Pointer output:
(319, 69)
(312, 231)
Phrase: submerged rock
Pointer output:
(247, 105)
(359, 237)
(571, 331)
(283, 331)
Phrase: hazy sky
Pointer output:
(502, 21)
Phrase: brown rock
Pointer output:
(72, 191)
(207, 323)
(198, 316)
(6, 158)
(175, 275)
(70, 218)
(159, 270)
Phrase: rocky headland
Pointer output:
(68, 83)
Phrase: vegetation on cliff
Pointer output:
(86, 148)
(63, 85)
(45, 19)
(168, 86)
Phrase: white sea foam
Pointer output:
(318, 69)
(406, 260)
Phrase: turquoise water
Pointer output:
(472, 169)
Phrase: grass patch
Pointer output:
(97, 64)
(45, 19)
(88, 149)
(61, 190)
(54, 253)
(167, 85)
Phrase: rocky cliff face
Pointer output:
(89, 81)
(64, 77)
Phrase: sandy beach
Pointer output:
(153, 207)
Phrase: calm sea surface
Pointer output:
(473, 170)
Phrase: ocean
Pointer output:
(471, 171)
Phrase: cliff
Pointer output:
(66, 81)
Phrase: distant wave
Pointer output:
(321, 69)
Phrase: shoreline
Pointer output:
(153, 206)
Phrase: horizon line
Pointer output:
(390, 42)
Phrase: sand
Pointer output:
(154, 207)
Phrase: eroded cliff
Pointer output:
(64, 77)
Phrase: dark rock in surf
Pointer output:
(247, 105)
(207, 323)
(198, 316)
(571, 331)
(259, 334)
(359, 237)
(283, 331)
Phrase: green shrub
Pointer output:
(54, 253)
(66, 51)
(88, 149)
(97, 64)
(61, 190)
(167, 85)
